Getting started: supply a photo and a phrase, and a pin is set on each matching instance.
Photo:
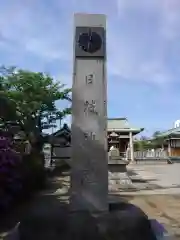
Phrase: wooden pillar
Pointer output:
(131, 146)
(119, 147)
(169, 148)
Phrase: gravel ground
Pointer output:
(162, 176)
(164, 208)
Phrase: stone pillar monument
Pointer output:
(89, 173)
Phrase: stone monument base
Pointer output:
(118, 176)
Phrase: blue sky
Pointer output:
(143, 39)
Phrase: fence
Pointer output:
(56, 155)
(61, 155)
(157, 154)
(47, 155)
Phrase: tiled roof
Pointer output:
(121, 124)
(64, 130)
(170, 132)
(113, 125)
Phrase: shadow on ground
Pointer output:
(46, 216)
(42, 211)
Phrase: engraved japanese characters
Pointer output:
(89, 175)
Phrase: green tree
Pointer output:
(156, 134)
(143, 138)
(157, 140)
(144, 143)
(141, 145)
(29, 98)
(7, 107)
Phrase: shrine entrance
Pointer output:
(120, 135)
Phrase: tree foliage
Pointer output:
(156, 134)
(144, 143)
(158, 140)
(29, 98)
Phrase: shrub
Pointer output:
(33, 174)
(20, 175)
(10, 178)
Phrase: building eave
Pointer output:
(121, 125)
(172, 138)
(65, 130)
(120, 130)
(170, 132)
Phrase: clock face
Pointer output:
(90, 41)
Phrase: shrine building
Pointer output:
(171, 141)
(119, 134)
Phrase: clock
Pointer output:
(90, 41)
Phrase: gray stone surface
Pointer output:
(13, 234)
(89, 175)
(118, 177)
(164, 176)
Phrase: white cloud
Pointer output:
(171, 19)
(125, 5)
(27, 25)
(47, 49)
(129, 60)
(136, 44)
(143, 44)
(167, 10)
(65, 79)
(141, 51)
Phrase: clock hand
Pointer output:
(88, 46)
(89, 38)
(90, 35)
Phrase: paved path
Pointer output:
(165, 176)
